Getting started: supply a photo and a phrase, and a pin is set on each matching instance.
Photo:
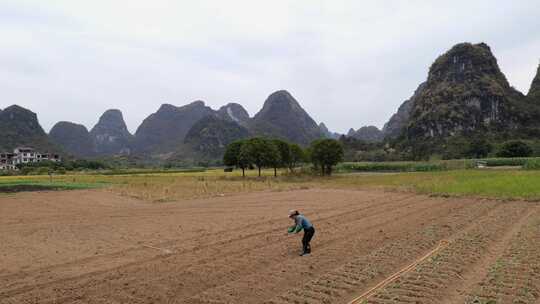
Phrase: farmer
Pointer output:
(301, 222)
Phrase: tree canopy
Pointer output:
(261, 152)
(234, 157)
(326, 153)
(515, 148)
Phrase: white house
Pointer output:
(24, 155)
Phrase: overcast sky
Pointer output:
(348, 63)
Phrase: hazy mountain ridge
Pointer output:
(173, 131)
(110, 134)
(20, 127)
(211, 135)
(109, 137)
(534, 91)
(73, 138)
(395, 125)
(327, 133)
(465, 94)
(283, 117)
(164, 130)
(234, 112)
(367, 134)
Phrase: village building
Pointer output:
(6, 161)
(24, 155)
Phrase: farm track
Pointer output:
(234, 249)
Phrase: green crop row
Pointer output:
(151, 171)
(442, 165)
(404, 166)
(499, 162)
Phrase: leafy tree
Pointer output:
(455, 147)
(284, 151)
(230, 158)
(479, 148)
(515, 148)
(261, 152)
(297, 155)
(234, 157)
(274, 161)
(326, 153)
(245, 159)
(378, 155)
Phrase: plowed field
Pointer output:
(93, 246)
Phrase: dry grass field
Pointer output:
(208, 239)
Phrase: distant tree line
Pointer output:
(67, 165)
(259, 152)
(48, 167)
(456, 147)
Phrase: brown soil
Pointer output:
(95, 247)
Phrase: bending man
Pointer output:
(301, 222)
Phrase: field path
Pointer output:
(95, 247)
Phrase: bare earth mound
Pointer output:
(96, 247)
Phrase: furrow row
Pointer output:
(230, 259)
(359, 274)
(433, 280)
(515, 277)
(15, 284)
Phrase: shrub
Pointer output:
(60, 171)
(479, 148)
(532, 164)
(515, 148)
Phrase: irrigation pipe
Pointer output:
(396, 275)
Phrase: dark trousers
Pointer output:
(308, 235)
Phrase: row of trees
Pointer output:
(464, 147)
(69, 165)
(276, 153)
